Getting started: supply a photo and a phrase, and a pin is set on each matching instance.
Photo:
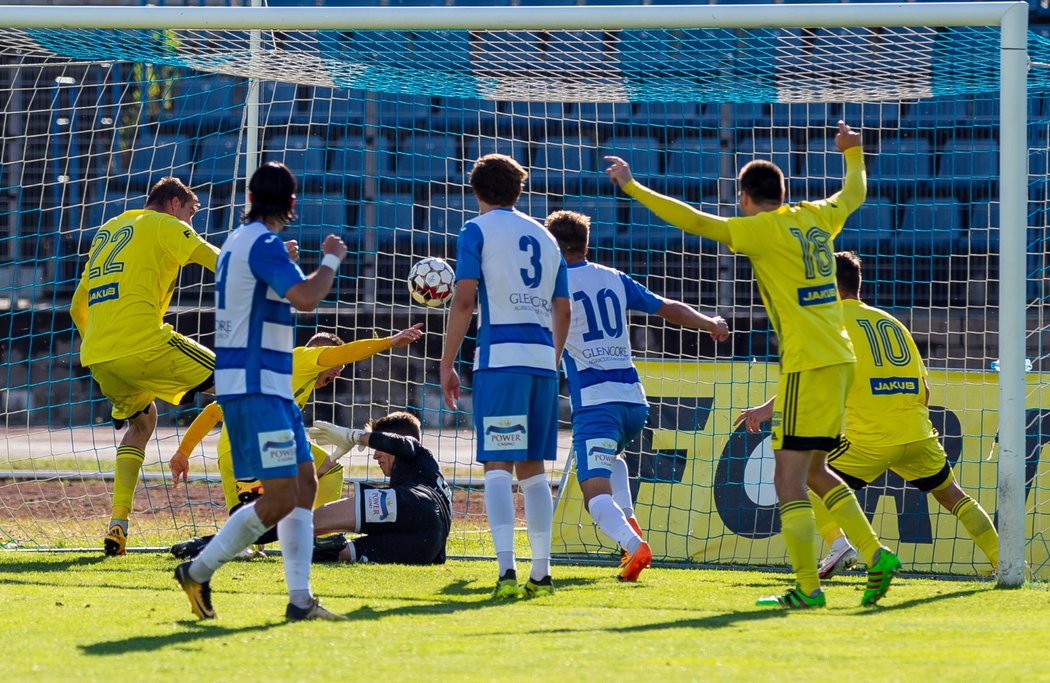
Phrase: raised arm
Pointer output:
(854, 185)
(678, 214)
(306, 294)
(360, 349)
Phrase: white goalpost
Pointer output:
(380, 112)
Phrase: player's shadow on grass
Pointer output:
(60, 565)
(888, 602)
(196, 632)
(465, 587)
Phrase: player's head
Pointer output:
(170, 195)
(329, 375)
(572, 230)
(497, 180)
(271, 194)
(847, 274)
(401, 423)
(760, 184)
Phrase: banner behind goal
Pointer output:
(381, 128)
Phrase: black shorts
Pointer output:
(402, 525)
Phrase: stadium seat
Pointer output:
(153, 157)
(349, 156)
(305, 155)
(642, 153)
(930, 226)
(214, 101)
(318, 216)
(937, 113)
(108, 206)
(447, 213)
(904, 160)
(606, 229)
(402, 111)
(973, 160)
(823, 160)
(648, 232)
(395, 217)
(665, 114)
(802, 115)
(602, 112)
(430, 157)
(337, 106)
(869, 229)
(558, 163)
(281, 104)
(477, 146)
(695, 159)
(748, 115)
(760, 146)
(217, 159)
(870, 117)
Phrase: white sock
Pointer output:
(539, 515)
(499, 506)
(296, 534)
(621, 486)
(840, 543)
(240, 531)
(613, 523)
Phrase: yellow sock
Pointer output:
(329, 486)
(799, 529)
(228, 478)
(845, 510)
(980, 527)
(827, 527)
(125, 478)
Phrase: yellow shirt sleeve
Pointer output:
(205, 255)
(352, 352)
(836, 208)
(181, 241)
(78, 309)
(199, 428)
(680, 214)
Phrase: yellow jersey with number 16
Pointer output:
(132, 268)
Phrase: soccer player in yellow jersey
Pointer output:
(119, 307)
(887, 424)
(314, 366)
(790, 249)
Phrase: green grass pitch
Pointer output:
(84, 617)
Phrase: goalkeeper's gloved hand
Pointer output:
(343, 439)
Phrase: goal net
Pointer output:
(381, 127)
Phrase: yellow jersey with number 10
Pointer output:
(132, 268)
(887, 403)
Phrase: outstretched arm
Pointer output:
(854, 185)
(754, 417)
(205, 255)
(195, 433)
(678, 214)
(686, 316)
(360, 349)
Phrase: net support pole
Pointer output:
(251, 118)
(1013, 219)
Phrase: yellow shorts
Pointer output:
(923, 464)
(230, 489)
(168, 373)
(809, 407)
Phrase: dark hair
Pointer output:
(497, 179)
(325, 339)
(400, 422)
(166, 189)
(571, 229)
(847, 272)
(272, 188)
(762, 181)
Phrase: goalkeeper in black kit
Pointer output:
(405, 523)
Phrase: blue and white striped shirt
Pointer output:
(254, 334)
(598, 365)
(519, 270)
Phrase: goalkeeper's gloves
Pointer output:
(342, 438)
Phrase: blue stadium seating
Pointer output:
(823, 160)
(930, 226)
(430, 157)
(870, 115)
(803, 115)
(477, 146)
(938, 113)
(337, 106)
(108, 206)
(152, 158)
(559, 162)
(394, 212)
(776, 149)
(869, 229)
(672, 113)
(402, 111)
(348, 156)
(319, 215)
(898, 160)
(976, 160)
(647, 231)
(448, 212)
(695, 159)
(642, 153)
(214, 101)
(602, 112)
(305, 155)
(280, 104)
(217, 159)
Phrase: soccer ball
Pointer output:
(431, 282)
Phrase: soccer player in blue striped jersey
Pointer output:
(609, 408)
(510, 266)
(255, 282)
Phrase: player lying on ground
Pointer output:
(790, 250)
(512, 269)
(609, 409)
(256, 284)
(314, 366)
(118, 308)
(887, 424)
(405, 523)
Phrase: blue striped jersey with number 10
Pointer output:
(598, 365)
(253, 320)
(519, 270)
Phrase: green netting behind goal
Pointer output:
(381, 127)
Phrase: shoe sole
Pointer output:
(834, 568)
(113, 549)
(196, 605)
